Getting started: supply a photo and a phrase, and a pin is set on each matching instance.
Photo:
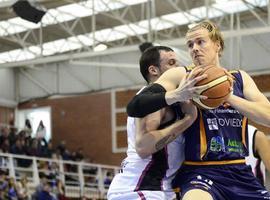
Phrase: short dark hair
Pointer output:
(151, 56)
(145, 46)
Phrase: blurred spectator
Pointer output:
(49, 151)
(66, 155)
(12, 135)
(22, 189)
(42, 146)
(54, 170)
(39, 188)
(60, 190)
(79, 155)
(62, 147)
(3, 185)
(44, 168)
(20, 149)
(5, 146)
(28, 128)
(57, 154)
(44, 194)
(84, 198)
(108, 179)
(41, 130)
(33, 149)
(4, 135)
(12, 194)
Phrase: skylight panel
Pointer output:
(102, 35)
(86, 39)
(24, 55)
(5, 57)
(4, 26)
(159, 24)
(24, 23)
(115, 35)
(15, 28)
(36, 50)
(232, 7)
(59, 16)
(132, 29)
(237, 5)
(64, 13)
(15, 25)
(15, 55)
(131, 2)
(50, 48)
(74, 43)
(176, 18)
(76, 10)
(102, 7)
(198, 13)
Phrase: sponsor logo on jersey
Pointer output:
(216, 123)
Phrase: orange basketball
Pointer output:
(219, 87)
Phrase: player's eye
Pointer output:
(201, 42)
(190, 45)
(172, 62)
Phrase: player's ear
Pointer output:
(218, 46)
(153, 70)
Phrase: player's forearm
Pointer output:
(153, 141)
(258, 112)
(151, 99)
(267, 164)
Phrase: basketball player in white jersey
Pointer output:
(259, 153)
(155, 143)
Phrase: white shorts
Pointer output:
(141, 195)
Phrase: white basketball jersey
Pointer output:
(153, 173)
(256, 163)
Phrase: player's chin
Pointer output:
(199, 62)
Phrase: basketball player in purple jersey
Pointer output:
(217, 142)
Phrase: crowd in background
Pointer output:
(50, 187)
(22, 143)
(18, 190)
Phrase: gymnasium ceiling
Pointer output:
(74, 31)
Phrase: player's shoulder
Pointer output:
(189, 67)
(234, 71)
(238, 71)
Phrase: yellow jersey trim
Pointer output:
(244, 125)
(234, 71)
(222, 162)
(190, 67)
(203, 142)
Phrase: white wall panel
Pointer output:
(7, 87)
(65, 77)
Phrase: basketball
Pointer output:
(219, 87)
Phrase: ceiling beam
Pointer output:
(104, 64)
(171, 42)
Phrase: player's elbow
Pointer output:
(143, 152)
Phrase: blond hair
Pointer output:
(214, 32)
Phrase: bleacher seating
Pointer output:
(79, 178)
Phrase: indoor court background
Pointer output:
(81, 63)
